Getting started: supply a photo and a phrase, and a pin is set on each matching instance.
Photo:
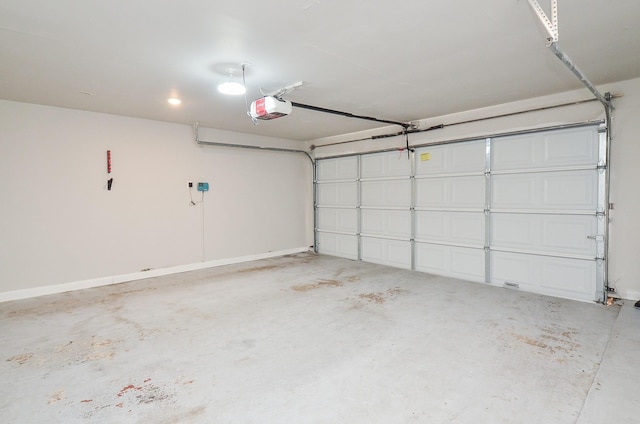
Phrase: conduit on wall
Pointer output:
(245, 146)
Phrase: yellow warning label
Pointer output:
(425, 156)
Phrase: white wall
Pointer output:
(624, 254)
(624, 262)
(59, 224)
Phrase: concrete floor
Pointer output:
(313, 339)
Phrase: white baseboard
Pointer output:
(116, 279)
(631, 295)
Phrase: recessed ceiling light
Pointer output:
(174, 101)
(86, 93)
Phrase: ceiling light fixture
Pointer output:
(174, 101)
(231, 87)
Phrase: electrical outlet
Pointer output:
(190, 183)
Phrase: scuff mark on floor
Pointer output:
(93, 349)
(144, 394)
(377, 298)
(20, 359)
(317, 285)
(257, 269)
(57, 397)
(553, 338)
(373, 297)
(125, 389)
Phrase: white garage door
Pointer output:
(337, 219)
(450, 204)
(547, 212)
(523, 211)
(385, 209)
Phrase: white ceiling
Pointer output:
(397, 60)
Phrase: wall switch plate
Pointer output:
(203, 186)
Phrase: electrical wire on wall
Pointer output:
(201, 203)
(406, 139)
(202, 219)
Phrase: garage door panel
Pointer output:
(570, 278)
(386, 252)
(453, 158)
(513, 191)
(451, 261)
(513, 153)
(450, 192)
(433, 258)
(344, 246)
(513, 231)
(468, 263)
(468, 227)
(575, 147)
(432, 225)
(454, 227)
(564, 277)
(570, 190)
(385, 165)
(549, 234)
(340, 220)
(395, 193)
(337, 169)
(571, 148)
(337, 194)
(514, 268)
(387, 223)
(569, 234)
(467, 191)
(548, 191)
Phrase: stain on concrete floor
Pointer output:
(317, 285)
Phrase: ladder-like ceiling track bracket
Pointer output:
(551, 25)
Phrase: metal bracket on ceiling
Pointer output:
(551, 25)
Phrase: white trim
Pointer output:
(116, 279)
(630, 294)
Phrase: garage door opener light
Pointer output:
(231, 87)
